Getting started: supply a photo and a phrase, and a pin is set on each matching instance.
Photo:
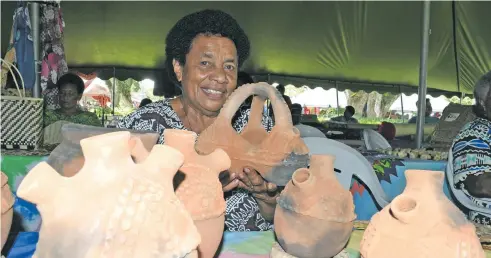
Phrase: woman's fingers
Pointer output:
(232, 185)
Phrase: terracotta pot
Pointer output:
(201, 191)
(421, 222)
(112, 207)
(275, 155)
(7, 209)
(67, 158)
(314, 216)
(278, 252)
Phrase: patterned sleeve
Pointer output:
(144, 119)
(243, 117)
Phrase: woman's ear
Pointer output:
(177, 69)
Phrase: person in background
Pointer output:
(70, 90)
(428, 118)
(205, 51)
(305, 130)
(347, 117)
(471, 152)
(281, 89)
(145, 102)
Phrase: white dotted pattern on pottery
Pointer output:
(203, 194)
(139, 208)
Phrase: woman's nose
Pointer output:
(219, 75)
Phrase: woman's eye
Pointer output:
(229, 67)
(204, 63)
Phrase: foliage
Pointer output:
(466, 101)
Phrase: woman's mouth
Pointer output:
(213, 94)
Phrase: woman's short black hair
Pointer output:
(208, 22)
(71, 78)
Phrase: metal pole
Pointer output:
(425, 36)
(337, 98)
(114, 89)
(402, 103)
(36, 43)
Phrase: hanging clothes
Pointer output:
(52, 51)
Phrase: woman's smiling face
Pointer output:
(209, 75)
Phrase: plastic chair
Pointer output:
(459, 194)
(350, 162)
(373, 140)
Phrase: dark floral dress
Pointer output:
(83, 117)
(242, 211)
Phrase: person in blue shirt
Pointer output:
(428, 118)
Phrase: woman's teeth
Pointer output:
(210, 91)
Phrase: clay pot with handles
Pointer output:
(7, 209)
(275, 155)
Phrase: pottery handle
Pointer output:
(280, 108)
(219, 161)
(163, 161)
(403, 208)
(138, 150)
(40, 184)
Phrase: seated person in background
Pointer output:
(472, 153)
(428, 118)
(347, 117)
(287, 99)
(70, 91)
(305, 130)
(144, 102)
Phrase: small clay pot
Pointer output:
(113, 207)
(201, 191)
(275, 155)
(7, 209)
(67, 158)
(314, 215)
(421, 222)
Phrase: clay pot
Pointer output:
(201, 191)
(275, 155)
(112, 207)
(421, 222)
(67, 158)
(278, 252)
(7, 209)
(314, 216)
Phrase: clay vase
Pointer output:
(67, 158)
(421, 222)
(7, 209)
(201, 191)
(314, 215)
(275, 155)
(112, 207)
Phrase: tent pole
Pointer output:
(35, 40)
(402, 103)
(425, 36)
(337, 98)
(114, 88)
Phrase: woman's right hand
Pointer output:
(229, 181)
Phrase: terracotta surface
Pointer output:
(314, 216)
(67, 158)
(201, 191)
(275, 155)
(112, 207)
(7, 209)
(421, 222)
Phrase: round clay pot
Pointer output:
(201, 191)
(275, 155)
(7, 209)
(421, 222)
(314, 216)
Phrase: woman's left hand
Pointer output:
(252, 181)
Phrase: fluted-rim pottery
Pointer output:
(113, 207)
(201, 191)
(7, 209)
(275, 155)
(314, 215)
(421, 222)
(67, 158)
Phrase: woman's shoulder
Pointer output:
(242, 117)
(155, 116)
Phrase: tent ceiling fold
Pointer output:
(295, 42)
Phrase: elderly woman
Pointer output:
(70, 90)
(472, 153)
(205, 50)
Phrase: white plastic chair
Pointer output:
(459, 194)
(373, 140)
(350, 162)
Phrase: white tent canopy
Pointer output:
(438, 104)
(319, 97)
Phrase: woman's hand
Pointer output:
(229, 181)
